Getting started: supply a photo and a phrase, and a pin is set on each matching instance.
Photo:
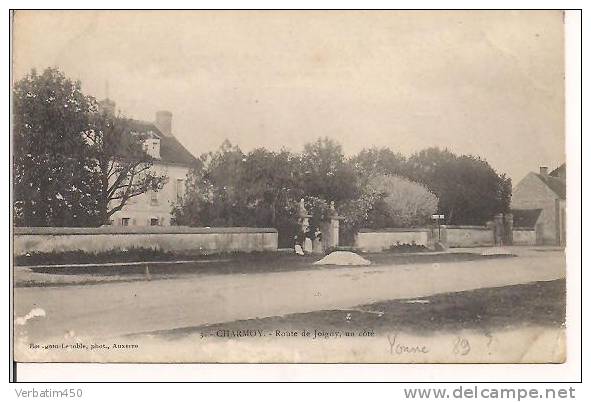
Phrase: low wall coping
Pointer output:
(106, 230)
(465, 227)
(394, 230)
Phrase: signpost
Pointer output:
(438, 218)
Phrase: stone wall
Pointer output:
(467, 236)
(172, 238)
(368, 240)
(380, 240)
(524, 237)
(451, 235)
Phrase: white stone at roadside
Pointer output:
(343, 258)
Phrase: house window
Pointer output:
(125, 221)
(179, 188)
(154, 197)
(154, 222)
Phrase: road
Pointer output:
(114, 309)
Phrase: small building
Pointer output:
(525, 223)
(171, 158)
(539, 200)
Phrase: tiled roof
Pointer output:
(560, 171)
(525, 218)
(143, 127)
(555, 184)
(172, 151)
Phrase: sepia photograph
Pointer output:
(337, 186)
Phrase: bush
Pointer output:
(407, 248)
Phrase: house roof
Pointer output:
(560, 171)
(525, 218)
(143, 127)
(556, 184)
(171, 150)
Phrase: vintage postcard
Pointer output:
(289, 186)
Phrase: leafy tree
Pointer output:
(230, 188)
(54, 184)
(227, 205)
(123, 168)
(326, 173)
(355, 213)
(73, 166)
(188, 211)
(468, 188)
(378, 161)
(215, 193)
(376, 188)
(387, 201)
(270, 181)
(400, 203)
(319, 209)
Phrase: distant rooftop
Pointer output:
(171, 150)
(555, 180)
(560, 171)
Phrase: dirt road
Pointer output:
(107, 310)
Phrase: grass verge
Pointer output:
(483, 310)
(48, 275)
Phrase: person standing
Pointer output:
(317, 247)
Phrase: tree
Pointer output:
(377, 188)
(400, 203)
(54, 184)
(215, 193)
(73, 166)
(262, 188)
(468, 188)
(387, 201)
(326, 173)
(123, 168)
(270, 181)
(231, 188)
(328, 176)
(227, 201)
(189, 209)
(378, 161)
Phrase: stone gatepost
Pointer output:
(490, 225)
(304, 223)
(303, 217)
(508, 227)
(330, 229)
(498, 230)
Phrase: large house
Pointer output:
(171, 158)
(539, 202)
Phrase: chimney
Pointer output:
(544, 170)
(164, 122)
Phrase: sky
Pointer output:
(487, 83)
